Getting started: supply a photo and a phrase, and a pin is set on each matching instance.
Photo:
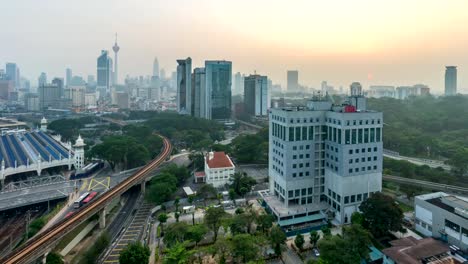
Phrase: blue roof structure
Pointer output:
(27, 147)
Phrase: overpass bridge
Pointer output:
(428, 185)
(45, 241)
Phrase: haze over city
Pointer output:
(391, 43)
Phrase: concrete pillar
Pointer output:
(44, 259)
(102, 218)
(143, 187)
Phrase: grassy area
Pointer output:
(405, 207)
(70, 236)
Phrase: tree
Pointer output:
(198, 160)
(244, 247)
(190, 201)
(325, 230)
(221, 248)
(357, 218)
(381, 214)
(161, 188)
(177, 215)
(196, 233)
(358, 238)
(232, 195)
(314, 238)
(213, 218)
(277, 239)
(207, 191)
(176, 233)
(135, 253)
(162, 218)
(54, 258)
(241, 183)
(177, 254)
(299, 241)
(238, 224)
(265, 221)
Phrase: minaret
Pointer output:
(79, 152)
(116, 49)
(43, 124)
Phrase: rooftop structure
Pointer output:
(409, 250)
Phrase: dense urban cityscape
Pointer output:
(207, 160)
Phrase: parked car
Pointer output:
(316, 252)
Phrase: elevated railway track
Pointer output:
(44, 242)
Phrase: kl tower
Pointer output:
(116, 49)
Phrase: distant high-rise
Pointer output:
(68, 76)
(450, 80)
(199, 93)
(49, 96)
(116, 49)
(184, 83)
(104, 65)
(218, 78)
(12, 73)
(293, 81)
(42, 80)
(163, 74)
(156, 67)
(59, 83)
(238, 84)
(256, 95)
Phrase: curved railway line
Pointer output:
(40, 244)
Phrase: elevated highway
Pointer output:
(44, 242)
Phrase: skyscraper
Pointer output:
(116, 49)
(184, 83)
(42, 80)
(238, 84)
(59, 83)
(199, 93)
(450, 80)
(68, 76)
(218, 75)
(156, 67)
(103, 73)
(256, 95)
(12, 74)
(293, 81)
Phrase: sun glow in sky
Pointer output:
(398, 42)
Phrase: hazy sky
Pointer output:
(397, 42)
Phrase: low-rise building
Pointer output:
(443, 216)
(218, 168)
(410, 250)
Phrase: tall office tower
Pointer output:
(450, 80)
(184, 83)
(90, 80)
(156, 67)
(199, 93)
(103, 73)
(68, 76)
(6, 86)
(11, 71)
(218, 80)
(77, 95)
(256, 95)
(49, 96)
(293, 81)
(324, 160)
(116, 49)
(42, 80)
(59, 83)
(154, 91)
(237, 84)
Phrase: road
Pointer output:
(418, 161)
(428, 184)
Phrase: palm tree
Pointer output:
(314, 238)
(162, 218)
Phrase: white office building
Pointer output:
(256, 95)
(324, 160)
(218, 169)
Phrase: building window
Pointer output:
(346, 200)
(353, 198)
(350, 151)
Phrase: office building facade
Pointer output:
(256, 95)
(293, 81)
(68, 76)
(450, 80)
(104, 69)
(218, 80)
(199, 93)
(49, 96)
(324, 161)
(184, 86)
(12, 73)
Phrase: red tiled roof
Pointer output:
(411, 251)
(200, 174)
(219, 160)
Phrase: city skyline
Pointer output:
(368, 45)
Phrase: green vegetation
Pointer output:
(299, 241)
(251, 148)
(427, 127)
(54, 258)
(135, 253)
(241, 183)
(178, 254)
(381, 214)
(92, 254)
(35, 226)
(349, 248)
(213, 219)
(163, 186)
(69, 128)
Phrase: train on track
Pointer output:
(87, 170)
